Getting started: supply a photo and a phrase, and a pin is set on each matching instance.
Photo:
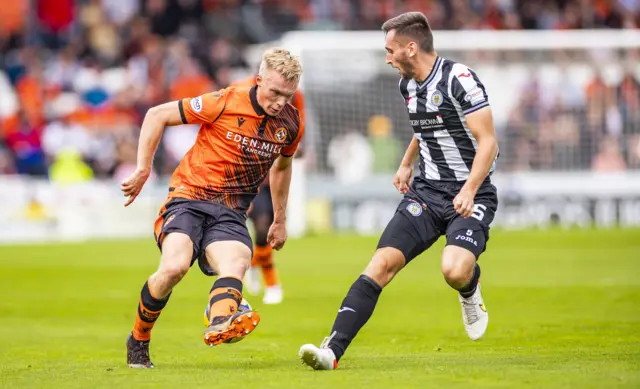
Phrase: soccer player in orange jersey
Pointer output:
(261, 214)
(245, 134)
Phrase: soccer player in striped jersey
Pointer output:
(452, 194)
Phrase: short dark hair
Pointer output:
(413, 25)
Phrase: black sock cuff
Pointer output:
(471, 287)
(227, 282)
(151, 303)
(336, 344)
(369, 285)
(223, 296)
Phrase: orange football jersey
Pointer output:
(235, 147)
(297, 101)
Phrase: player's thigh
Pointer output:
(177, 254)
(228, 245)
(472, 233)
(228, 258)
(178, 231)
(412, 230)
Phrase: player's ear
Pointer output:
(259, 80)
(412, 49)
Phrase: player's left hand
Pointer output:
(277, 235)
(463, 202)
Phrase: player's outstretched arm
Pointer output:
(156, 119)
(480, 123)
(279, 180)
(402, 179)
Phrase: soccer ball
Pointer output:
(244, 306)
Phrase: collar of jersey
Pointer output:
(432, 74)
(253, 94)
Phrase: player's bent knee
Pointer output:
(457, 266)
(177, 251)
(174, 271)
(169, 274)
(384, 265)
(456, 276)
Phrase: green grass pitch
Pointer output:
(564, 313)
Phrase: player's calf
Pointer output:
(224, 299)
(357, 306)
(356, 309)
(155, 293)
(149, 309)
(177, 252)
(462, 272)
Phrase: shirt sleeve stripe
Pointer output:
(477, 107)
(184, 118)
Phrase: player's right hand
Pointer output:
(277, 235)
(132, 186)
(402, 179)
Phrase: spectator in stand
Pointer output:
(116, 58)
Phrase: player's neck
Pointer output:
(423, 66)
(255, 101)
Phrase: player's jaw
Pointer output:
(402, 66)
(401, 70)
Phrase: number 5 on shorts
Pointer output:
(478, 211)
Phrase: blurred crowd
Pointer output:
(575, 127)
(77, 76)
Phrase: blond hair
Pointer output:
(283, 62)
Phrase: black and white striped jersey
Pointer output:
(437, 109)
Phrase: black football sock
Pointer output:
(470, 289)
(354, 312)
(149, 309)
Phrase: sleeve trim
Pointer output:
(477, 107)
(181, 108)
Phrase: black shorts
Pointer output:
(262, 204)
(204, 222)
(427, 212)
